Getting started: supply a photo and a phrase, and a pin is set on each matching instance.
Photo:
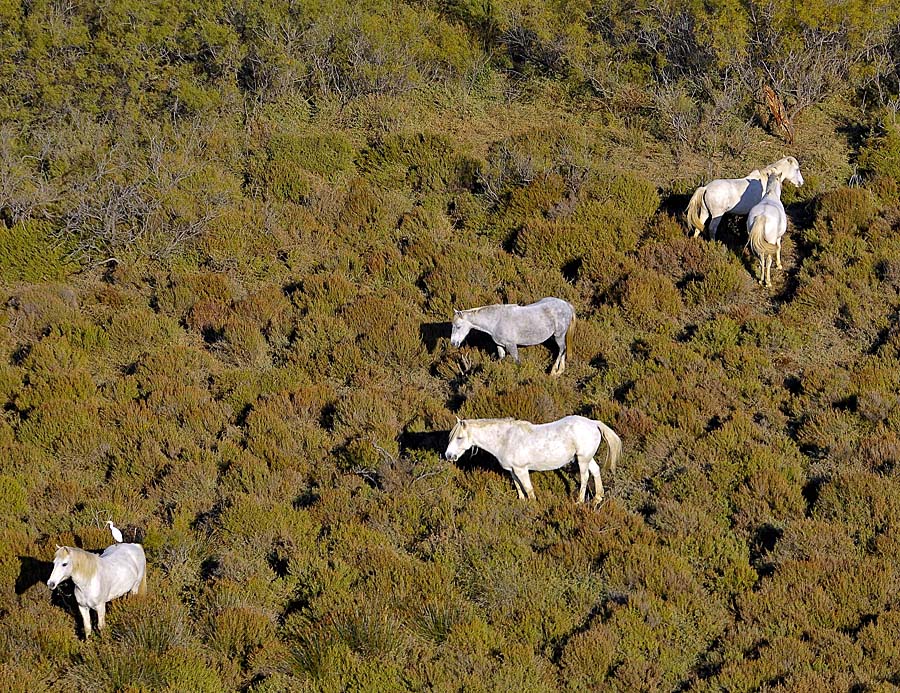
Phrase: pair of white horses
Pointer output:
(120, 569)
(758, 195)
(521, 446)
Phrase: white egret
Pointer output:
(116, 533)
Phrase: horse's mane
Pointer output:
(84, 564)
(478, 423)
(776, 167)
(490, 307)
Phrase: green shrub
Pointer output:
(864, 501)
(237, 633)
(649, 301)
(30, 252)
(426, 162)
(534, 402)
(881, 153)
(846, 209)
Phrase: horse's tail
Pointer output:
(142, 588)
(696, 211)
(569, 332)
(758, 243)
(613, 443)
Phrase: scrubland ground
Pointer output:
(232, 237)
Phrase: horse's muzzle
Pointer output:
(450, 456)
(51, 584)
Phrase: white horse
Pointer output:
(510, 325)
(766, 224)
(119, 569)
(521, 447)
(736, 195)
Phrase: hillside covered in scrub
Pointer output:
(232, 235)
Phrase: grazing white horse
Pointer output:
(521, 447)
(766, 224)
(510, 325)
(736, 195)
(119, 569)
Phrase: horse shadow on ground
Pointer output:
(432, 441)
(436, 441)
(33, 571)
(431, 332)
(675, 204)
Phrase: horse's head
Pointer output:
(461, 328)
(62, 566)
(460, 441)
(790, 171)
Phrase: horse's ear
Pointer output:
(457, 420)
(456, 312)
(58, 547)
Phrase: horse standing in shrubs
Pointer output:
(510, 325)
(120, 569)
(736, 195)
(766, 225)
(520, 447)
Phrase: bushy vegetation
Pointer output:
(231, 236)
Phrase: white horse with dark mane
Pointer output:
(520, 447)
(510, 325)
(736, 195)
(120, 569)
(766, 225)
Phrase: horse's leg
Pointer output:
(594, 469)
(714, 226)
(522, 476)
(141, 586)
(583, 475)
(101, 615)
(778, 254)
(85, 620)
(513, 351)
(517, 484)
(501, 352)
(560, 364)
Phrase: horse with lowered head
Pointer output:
(736, 195)
(510, 325)
(766, 225)
(521, 446)
(119, 569)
